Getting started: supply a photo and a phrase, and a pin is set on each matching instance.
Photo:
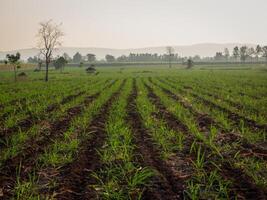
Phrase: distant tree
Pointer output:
(49, 36)
(110, 58)
(219, 56)
(251, 53)
(226, 53)
(91, 57)
(122, 58)
(170, 53)
(258, 51)
(66, 57)
(236, 52)
(40, 62)
(243, 53)
(196, 58)
(60, 63)
(13, 60)
(77, 58)
(189, 63)
(264, 53)
(32, 60)
(148, 57)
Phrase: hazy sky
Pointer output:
(135, 23)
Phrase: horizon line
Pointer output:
(146, 47)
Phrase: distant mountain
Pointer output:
(205, 49)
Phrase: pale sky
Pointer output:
(135, 23)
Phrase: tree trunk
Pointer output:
(46, 71)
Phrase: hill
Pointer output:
(205, 49)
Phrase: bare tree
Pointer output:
(49, 36)
(170, 52)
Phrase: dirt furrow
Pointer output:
(166, 184)
(22, 104)
(65, 100)
(242, 184)
(236, 105)
(75, 178)
(35, 147)
(204, 122)
(68, 99)
(27, 123)
(234, 117)
(169, 118)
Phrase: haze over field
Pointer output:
(124, 24)
(202, 50)
(133, 99)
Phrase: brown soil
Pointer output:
(27, 158)
(164, 114)
(230, 102)
(75, 179)
(65, 100)
(166, 184)
(31, 120)
(224, 137)
(242, 184)
(27, 123)
(234, 117)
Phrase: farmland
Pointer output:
(134, 133)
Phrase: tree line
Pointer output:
(241, 54)
(49, 39)
(77, 58)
